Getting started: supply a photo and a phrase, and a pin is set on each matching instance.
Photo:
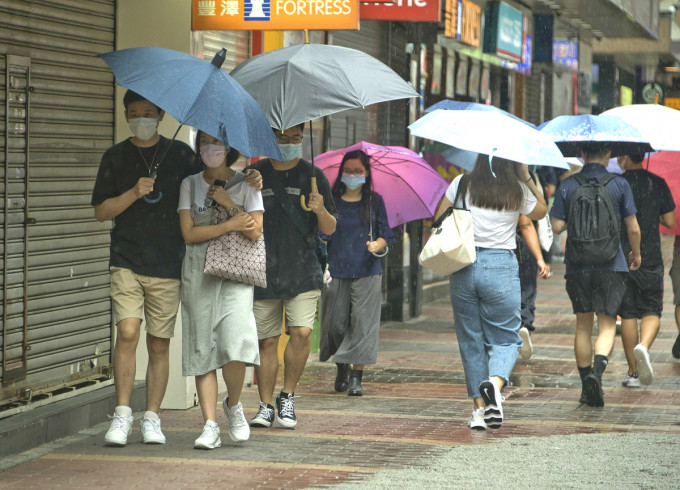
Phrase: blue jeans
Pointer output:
(486, 300)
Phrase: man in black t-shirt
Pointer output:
(294, 275)
(146, 256)
(644, 287)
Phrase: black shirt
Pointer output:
(145, 238)
(652, 199)
(292, 266)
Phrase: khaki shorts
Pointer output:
(300, 312)
(675, 275)
(153, 299)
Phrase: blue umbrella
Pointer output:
(196, 93)
(573, 133)
(455, 105)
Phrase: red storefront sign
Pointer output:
(404, 10)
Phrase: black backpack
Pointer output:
(593, 224)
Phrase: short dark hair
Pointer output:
(131, 97)
(637, 158)
(595, 149)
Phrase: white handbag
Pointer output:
(544, 227)
(451, 245)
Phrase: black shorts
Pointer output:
(596, 291)
(644, 293)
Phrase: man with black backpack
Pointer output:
(590, 205)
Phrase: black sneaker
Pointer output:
(286, 411)
(264, 417)
(676, 348)
(593, 389)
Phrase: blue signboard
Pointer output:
(565, 52)
(504, 31)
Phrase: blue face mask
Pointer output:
(353, 181)
(290, 152)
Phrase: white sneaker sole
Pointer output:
(286, 423)
(153, 440)
(202, 445)
(115, 442)
(260, 423)
(239, 439)
(527, 349)
(645, 371)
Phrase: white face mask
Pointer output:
(143, 127)
(213, 155)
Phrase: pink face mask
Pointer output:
(213, 155)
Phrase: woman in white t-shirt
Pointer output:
(218, 325)
(486, 295)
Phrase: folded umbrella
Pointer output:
(490, 133)
(410, 187)
(573, 133)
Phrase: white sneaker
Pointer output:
(527, 348)
(151, 429)
(493, 410)
(239, 430)
(210, 438)
(121, 426)
(476, 422)
(645, 371)
(631, 381)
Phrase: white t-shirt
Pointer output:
(493, 229)
(242, 194)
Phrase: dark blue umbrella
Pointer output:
(456, 105)
(572, 134)
(196, 93)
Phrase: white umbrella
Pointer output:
(658, 124)
(491, 133)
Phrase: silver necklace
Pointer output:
(149, 166)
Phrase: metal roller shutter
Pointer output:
(56, 121)
(237, 43)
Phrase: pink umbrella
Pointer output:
(410, 187)
(666, 164)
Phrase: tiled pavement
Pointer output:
(414, 407)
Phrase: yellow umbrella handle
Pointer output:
(302, 197)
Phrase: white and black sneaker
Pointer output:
(645, 371)
(264, 417)
(285, 406)
(493, 409)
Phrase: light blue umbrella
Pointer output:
(573, 133)
(456, 105)
(197, 93)
(657, 123)
(490, 133)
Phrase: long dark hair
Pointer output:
(502, 192)
(366, 191)
(232, 154)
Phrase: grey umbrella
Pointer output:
(299, 83)
(296, 84)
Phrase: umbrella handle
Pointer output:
(302, 198)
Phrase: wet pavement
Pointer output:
(414, 409)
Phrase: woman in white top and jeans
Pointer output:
(486, 295)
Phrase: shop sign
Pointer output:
(216, 15)
(462, 21)
(503, 34)
(565, 53)
(672, 102)
(402, 10)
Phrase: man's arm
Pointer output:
(668, 219)
(114, 206)
(528, 231)
(633, 228)
(558, 225)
